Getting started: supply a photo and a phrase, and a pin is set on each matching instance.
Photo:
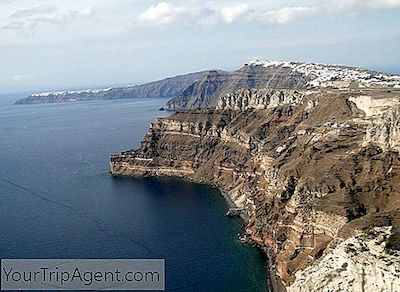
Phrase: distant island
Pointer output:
(169, 87)
(307, 153)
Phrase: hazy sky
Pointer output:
(75, 43)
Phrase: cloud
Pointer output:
(355, 7)
(231, 13)
(165, 13)
(27, 19)
(384, 4)
(211, 13)
(19, 77)
(33, 18)
(29, 24)
(37, 10)
(289, 14)
(161, 13)
(87, 12)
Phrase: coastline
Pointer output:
(274, 282)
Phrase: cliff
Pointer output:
(257, 74)
(205, 91)
(360, 263)
(311, 169)
(169, 87)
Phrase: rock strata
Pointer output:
(258, 74)
(310, 169)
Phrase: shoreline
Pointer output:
(273, 280)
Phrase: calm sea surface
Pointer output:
(58, 201)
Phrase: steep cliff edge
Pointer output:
(205, 91)
(310, 168)
(258, 74)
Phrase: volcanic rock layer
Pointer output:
(311, 169)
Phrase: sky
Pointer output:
(64, 44)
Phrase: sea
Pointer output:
(58, 200)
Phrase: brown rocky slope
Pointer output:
(309, 168)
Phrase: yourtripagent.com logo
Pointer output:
(79, 274)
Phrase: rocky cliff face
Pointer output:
(259, 99)
(360, 263)
(383, 120)
(169, 87)
(310, 168)
(257, 74)
(205, 92)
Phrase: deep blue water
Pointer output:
(57, 199)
